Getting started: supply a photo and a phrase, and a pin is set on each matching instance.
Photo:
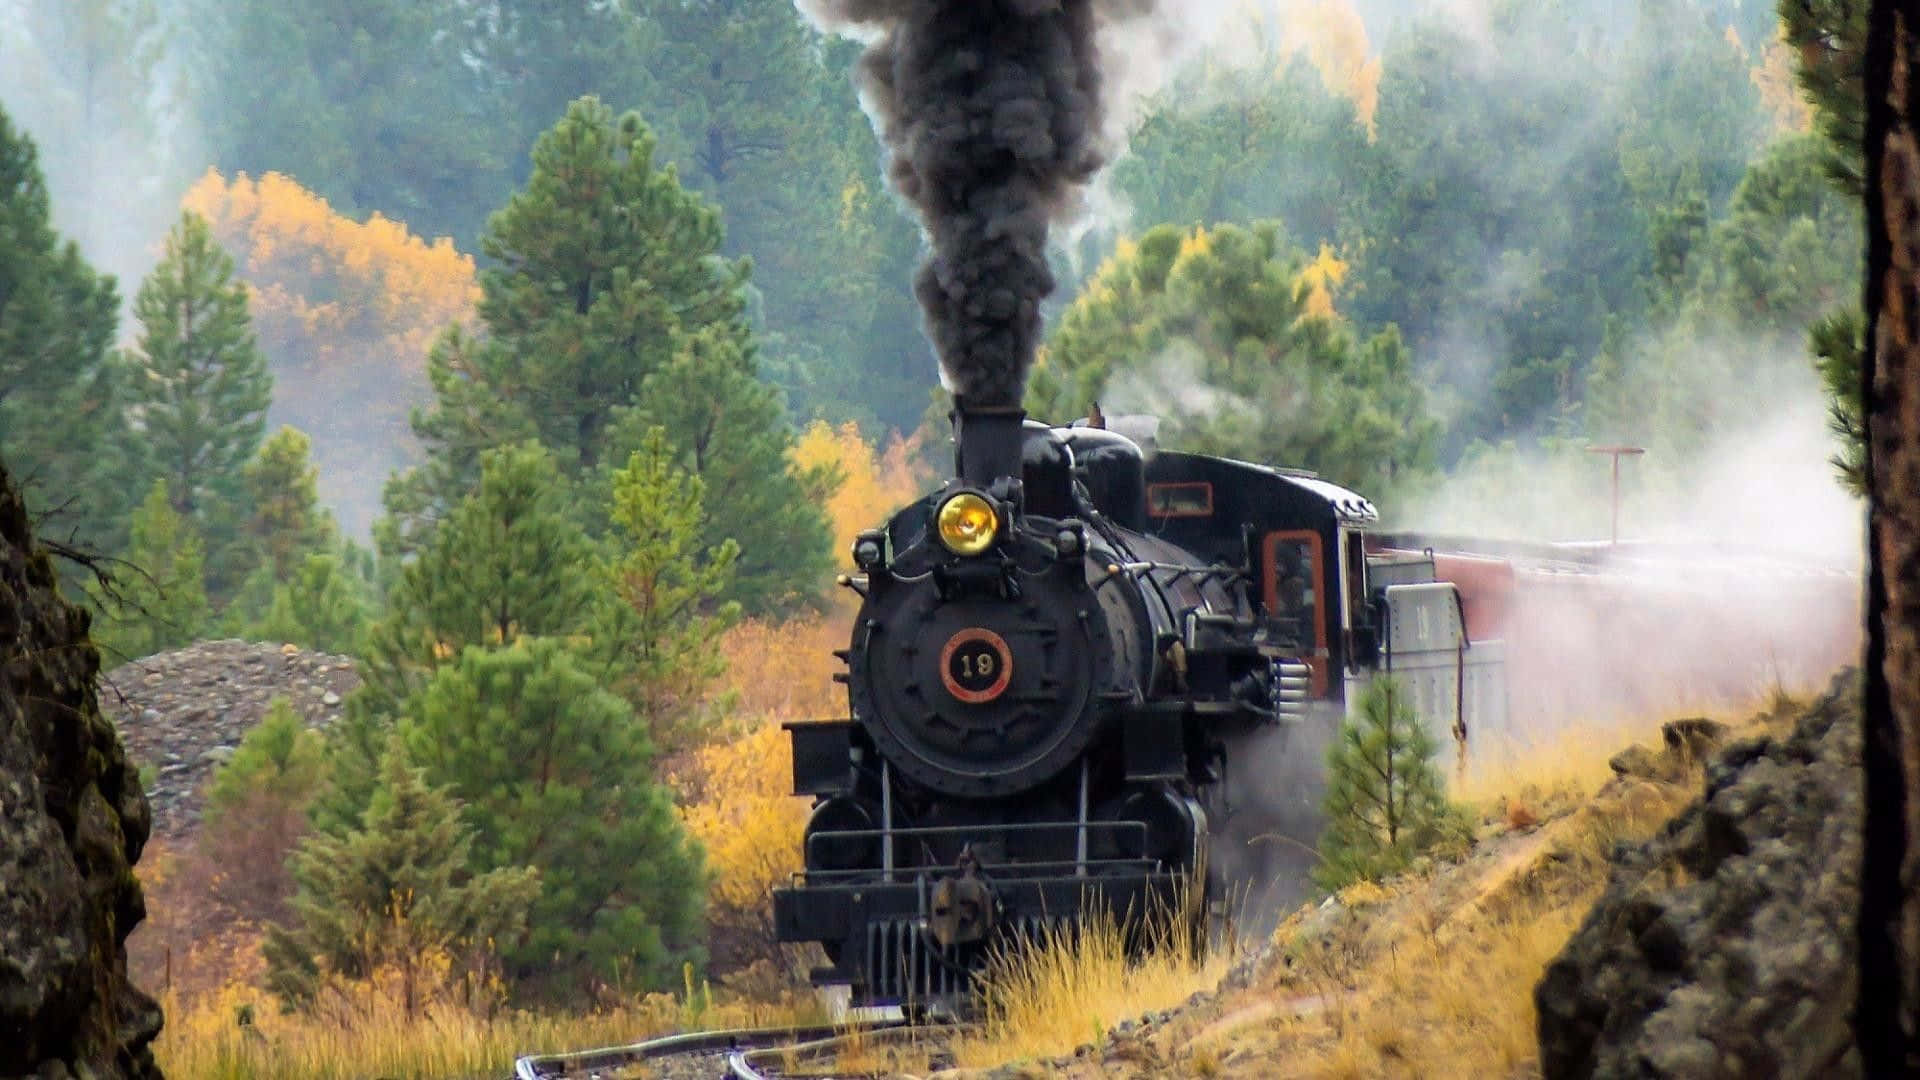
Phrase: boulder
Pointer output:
(72, 823)
(1723, 946)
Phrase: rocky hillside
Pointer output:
(1724, 945)
(73, 822)
(183, 712)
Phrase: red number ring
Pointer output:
(1002, 654)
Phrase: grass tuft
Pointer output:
(1074, 985)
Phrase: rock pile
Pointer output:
(72, 824)
(183, 712)
(1723, 946)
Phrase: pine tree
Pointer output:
(396, 896)
(610, 296)
(1385, 801)
(509, 561)
(200, 387)
(669, 622)
(286, 524)
(601, 258)
(164, 596)
(257, 811)
(1233, 333)
(727, 430)
(322, 607)
(469, 417)
(528, 739)
(1830, 37)
(61, 422)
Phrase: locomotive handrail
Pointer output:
(1219, 570)
(1005, 871)
(962, 830)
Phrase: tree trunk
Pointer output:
(1887, 1017)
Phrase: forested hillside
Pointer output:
(545, 358)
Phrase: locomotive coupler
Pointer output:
(962, 906)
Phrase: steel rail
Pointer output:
(726, 1040)
(748, 1063)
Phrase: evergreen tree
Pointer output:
(257, 811)
(727, 430)
(1230, 335)
(668, 623)
(601, 258)
(322, 607)
(1839, 341)
(164, 596)
(286, 524)
(610, 295)
(61, 421)
(509, 561)
(278, 758)
(1386, 803)
(1830, 37)
(199, 386)
(285, 527)
(396, 896)
(528, 739)
(469, 417)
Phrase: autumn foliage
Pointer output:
(345, 311)
(873, 482)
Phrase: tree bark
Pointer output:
(1887, 1016)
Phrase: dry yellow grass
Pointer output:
(1070, 989)
(240, 1034)
(1435, 978)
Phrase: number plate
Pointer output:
(976, 666)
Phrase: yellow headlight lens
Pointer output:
(967, 524)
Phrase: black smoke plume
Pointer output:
(991, 113)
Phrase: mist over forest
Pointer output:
(1554, 208)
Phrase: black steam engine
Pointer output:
(1055, 655)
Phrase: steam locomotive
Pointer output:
(1076, 666)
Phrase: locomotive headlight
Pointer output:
(967, 523)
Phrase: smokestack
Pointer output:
(991, 113)
(987, 442)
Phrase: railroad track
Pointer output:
(746, 1054)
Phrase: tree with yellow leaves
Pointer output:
(873, 482)
(345, 311)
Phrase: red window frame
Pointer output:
(1318, 663)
